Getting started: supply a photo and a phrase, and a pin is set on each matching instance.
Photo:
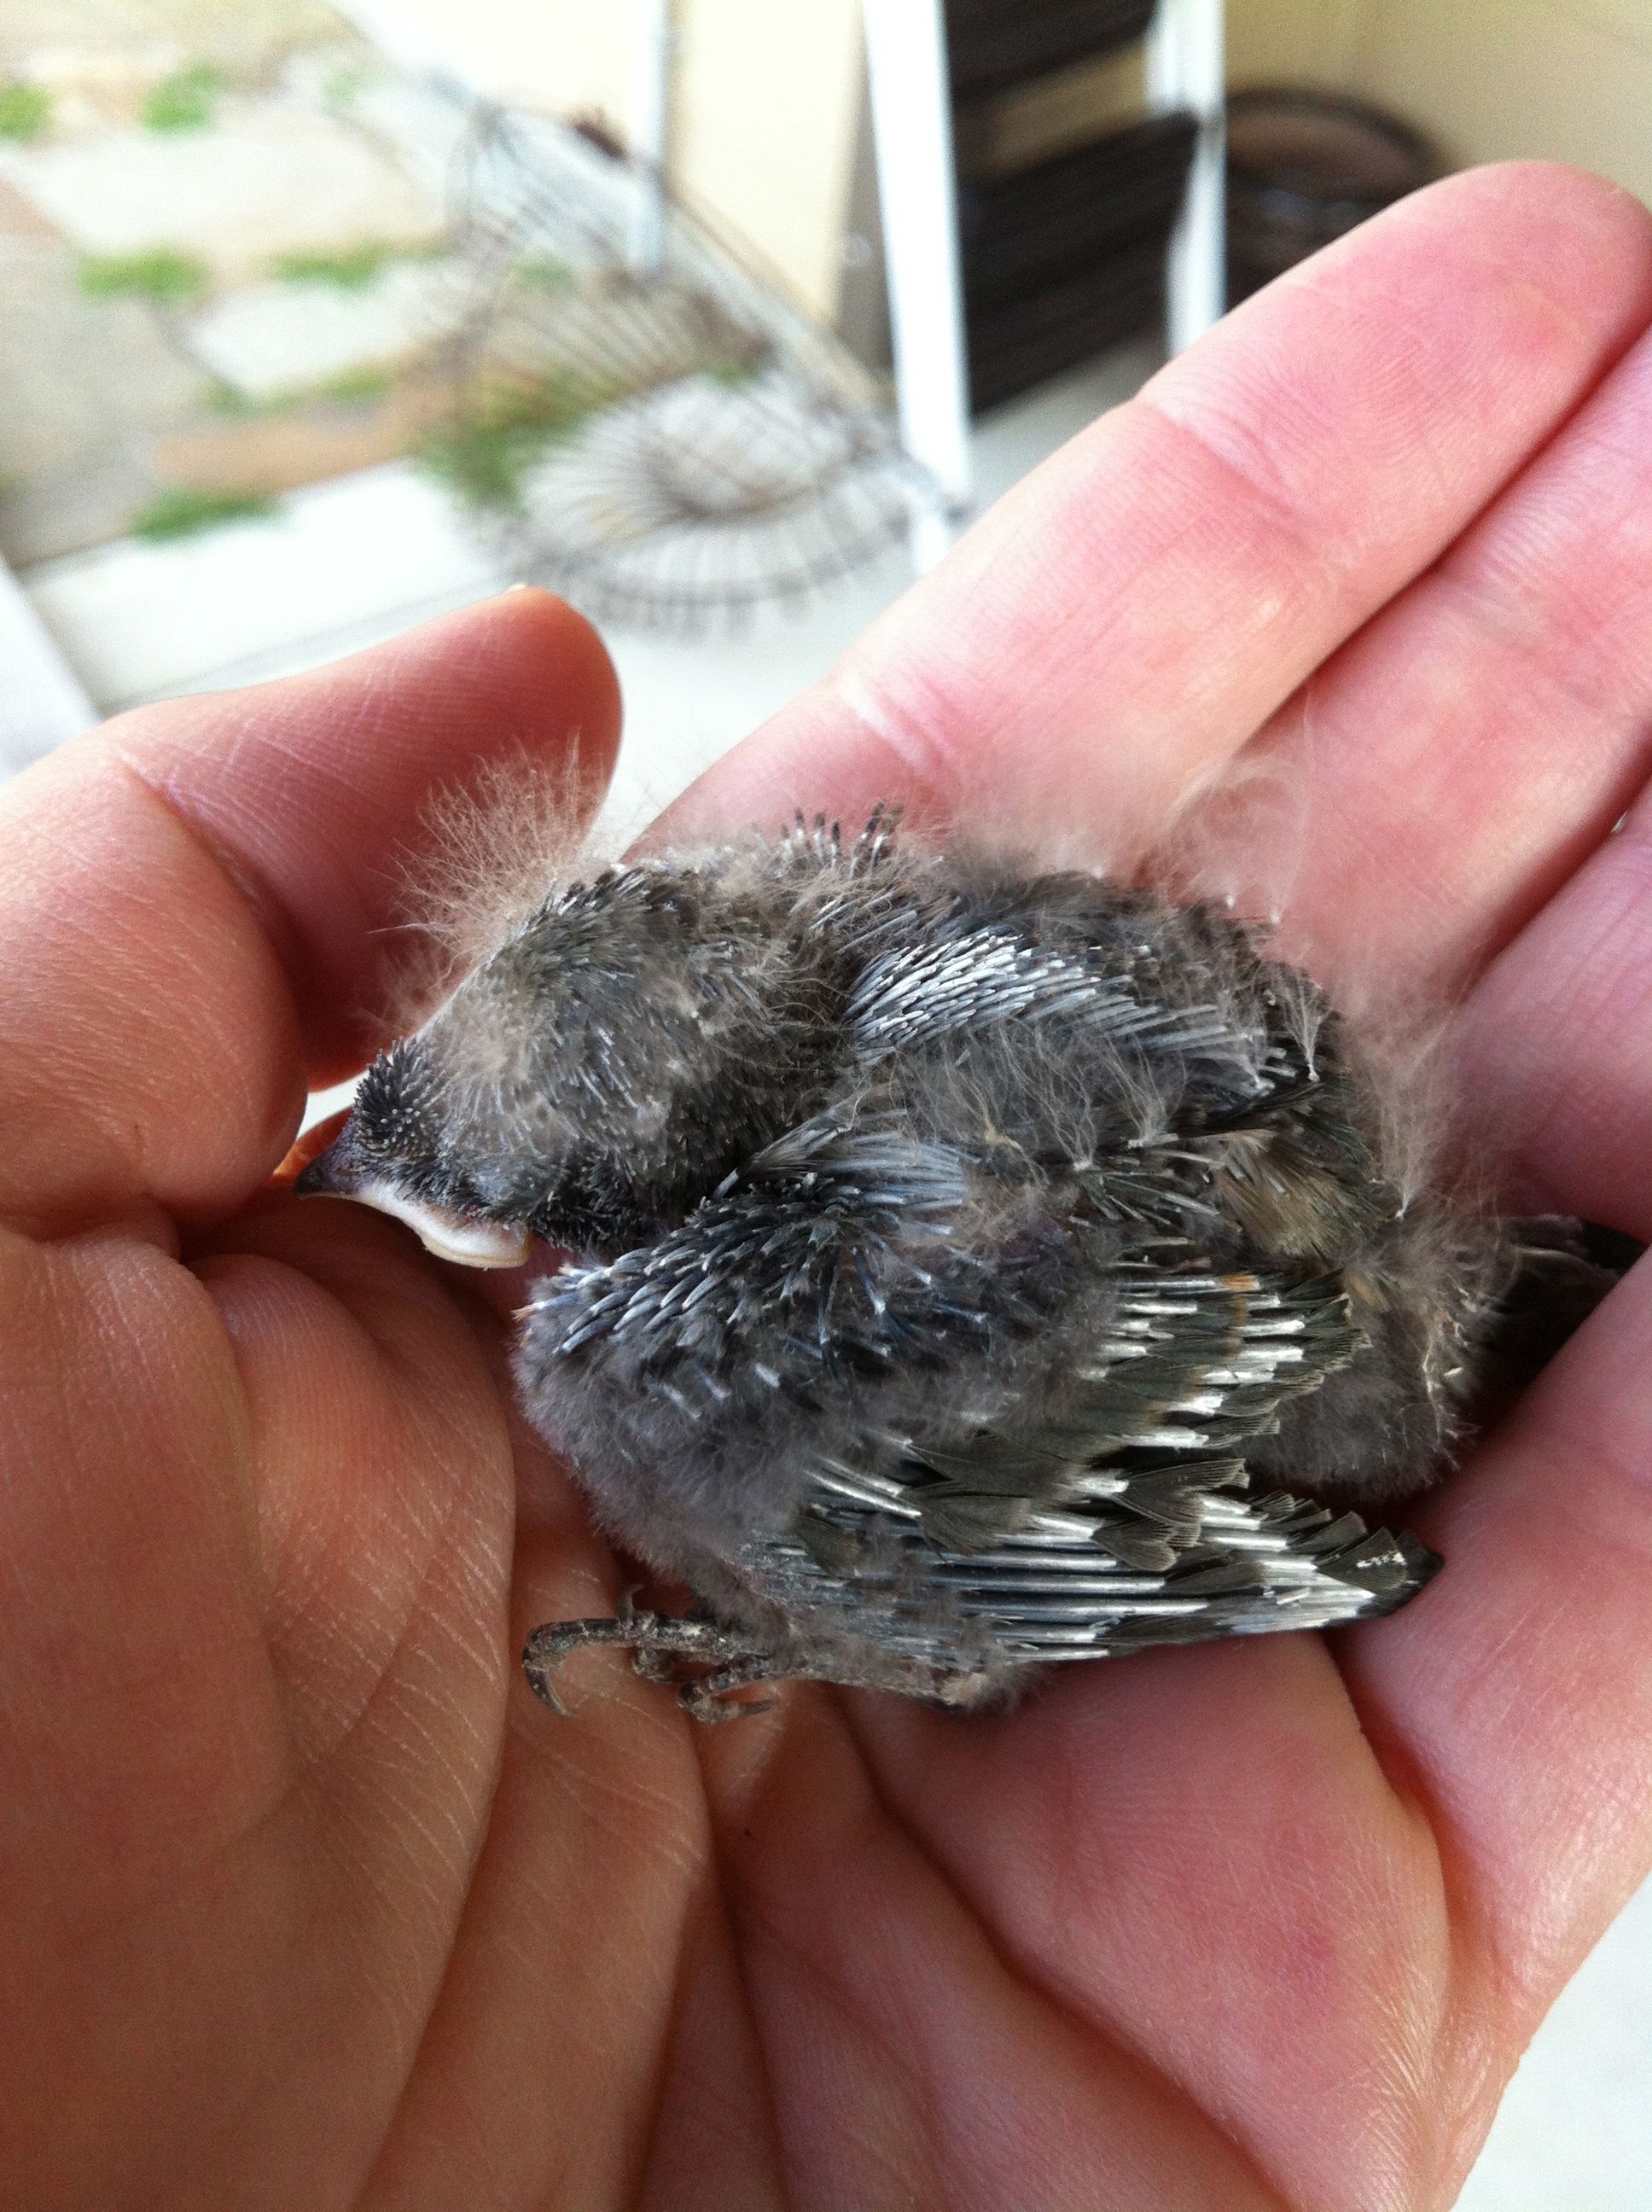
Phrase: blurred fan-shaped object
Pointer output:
(667, 441)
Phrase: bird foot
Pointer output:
(665, 1647)
(661, 1646)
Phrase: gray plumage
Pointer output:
(964, 1260)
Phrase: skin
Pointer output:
(306, 1901)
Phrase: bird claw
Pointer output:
(659, 1644)
(548, 1646)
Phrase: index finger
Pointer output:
(1107, 637)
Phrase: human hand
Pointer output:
(305, 1902)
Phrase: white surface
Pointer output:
(1575, 2133)
(41, 701)
(341, 564)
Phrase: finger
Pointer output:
(1463, 754)
(1113, 630)
(1555, 1043)
(1516, 1700)
(197, 900)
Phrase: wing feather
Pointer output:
(1058, 1589)
(1128, 1522)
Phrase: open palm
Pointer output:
(306, 1903)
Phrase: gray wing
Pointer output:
(1102, 1508)
(1129, 1522)
(1193, 1365)
(1241, 1566)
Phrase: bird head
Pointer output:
(598, 1075)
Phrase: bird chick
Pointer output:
(964, 1261)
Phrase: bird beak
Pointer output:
(470, 1240)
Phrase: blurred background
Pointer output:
(721, 318)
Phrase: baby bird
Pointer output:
(963, 1260)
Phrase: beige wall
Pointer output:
(568, 53)
(1294, 41)
(766, 105)
(1567, 79)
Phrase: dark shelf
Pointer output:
(1061, 216)
(1020, 342)
(995, 45)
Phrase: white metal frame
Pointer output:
(1186, 72)
(912, 138)
(650, 136)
